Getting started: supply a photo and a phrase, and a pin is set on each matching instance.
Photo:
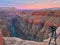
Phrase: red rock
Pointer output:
(1, 40)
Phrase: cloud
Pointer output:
(58, 1)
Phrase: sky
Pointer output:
(30, 4)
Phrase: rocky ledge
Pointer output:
(18, 41)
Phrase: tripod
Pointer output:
(53, 35)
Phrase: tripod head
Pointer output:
(53, 28)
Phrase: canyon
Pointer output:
(33, 25)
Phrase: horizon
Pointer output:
(31, 9)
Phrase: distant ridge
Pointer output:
(28, 10)
(7, 8)
(56, 8)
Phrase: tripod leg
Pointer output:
(58, 35)
(55, 38)
(50, 39)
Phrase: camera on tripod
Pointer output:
(53, 28)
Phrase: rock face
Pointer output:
(18, 41)
(28, 26)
